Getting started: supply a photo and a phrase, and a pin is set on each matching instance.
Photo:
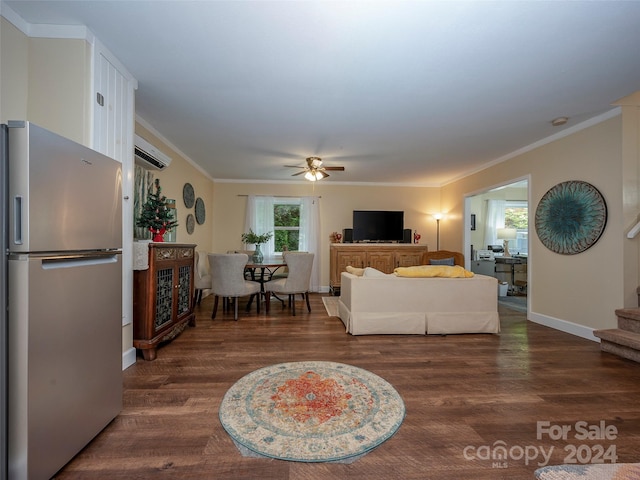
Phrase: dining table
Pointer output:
(263, 271)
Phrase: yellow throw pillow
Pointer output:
(443, 271)
(355, 271)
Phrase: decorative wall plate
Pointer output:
(571, 217)
(200, 215)
(188, 195)
(191, 223)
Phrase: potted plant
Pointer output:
(156, 215)
(257, 240)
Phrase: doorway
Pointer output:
(498, 222)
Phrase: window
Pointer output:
(516, 215)
(286, 225)
(508, 214)
(295, 223)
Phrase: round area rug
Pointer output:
(311, 411)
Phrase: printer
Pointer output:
(485, 255)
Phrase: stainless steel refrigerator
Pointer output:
(63, 217)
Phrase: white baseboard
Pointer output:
(564, 326)
(128, 358)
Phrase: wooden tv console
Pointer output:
(381, 256)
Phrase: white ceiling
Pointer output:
(418, 92)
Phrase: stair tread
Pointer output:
(621, 337)
(632, 313)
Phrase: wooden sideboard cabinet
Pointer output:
(163, 296)
(381, 256)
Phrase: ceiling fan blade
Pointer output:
(299, 173)
(293, 166)
(335, 169)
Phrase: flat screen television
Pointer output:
(378, 226)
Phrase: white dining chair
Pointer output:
(297, 280)
(227, 280)
(202, 277)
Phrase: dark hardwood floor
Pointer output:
(465, 395)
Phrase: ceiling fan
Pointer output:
(314, 170)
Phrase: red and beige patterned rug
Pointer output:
(311, 412)
(615, 471)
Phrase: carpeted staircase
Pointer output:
(624, 340)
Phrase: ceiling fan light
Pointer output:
(314, 175)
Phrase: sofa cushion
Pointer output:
(372, 272)
(442, 261)
(358, 272)
(422, 271)
(365, 272)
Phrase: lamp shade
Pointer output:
(506, 233)
(314, 175)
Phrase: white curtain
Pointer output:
(259, 218)
(310, 235)
(143, 182)
(495, 220)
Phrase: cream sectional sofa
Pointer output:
(387, 304)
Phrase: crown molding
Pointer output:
(74, 32)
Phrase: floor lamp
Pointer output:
(438, 217)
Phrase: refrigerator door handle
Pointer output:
(73, 261)
(17, 220)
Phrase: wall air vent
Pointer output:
(148, 156)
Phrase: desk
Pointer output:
(511, 263)
(484, 267)
(267, 268)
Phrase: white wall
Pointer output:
(570, 290)
(172, 181)
(14, 71)
(336, 210)
(45, 81)
(582, 290)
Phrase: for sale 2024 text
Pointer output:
(582, 431)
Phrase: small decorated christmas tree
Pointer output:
(155, 215)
